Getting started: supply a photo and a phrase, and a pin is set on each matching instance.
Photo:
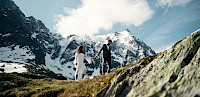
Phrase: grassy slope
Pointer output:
(41, 86)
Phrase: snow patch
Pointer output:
(16, 55)
(12, 67)
(5, 35)
(34, 35)
(55, 66)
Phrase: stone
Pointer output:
(174, 73)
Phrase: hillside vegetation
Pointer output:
(28, 84)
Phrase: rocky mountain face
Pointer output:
(172, 73)
(25, 33)
(26, 40)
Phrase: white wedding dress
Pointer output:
(80, 67)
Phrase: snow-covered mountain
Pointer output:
(125, 46)
(26, 40)
(125, 49)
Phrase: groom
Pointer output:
(106, 57)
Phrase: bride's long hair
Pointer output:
(80, 50)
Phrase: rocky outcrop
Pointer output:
(172, 73)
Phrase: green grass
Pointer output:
(32, 85)
(39, 86)
(49, 87)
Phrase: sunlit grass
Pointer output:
(48, 86)
(41, 86)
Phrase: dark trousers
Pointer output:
(105, 66)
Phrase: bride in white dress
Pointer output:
(78, 61)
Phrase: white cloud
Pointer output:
(171, 3)
(95, 15)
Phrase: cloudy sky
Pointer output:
(159, 23)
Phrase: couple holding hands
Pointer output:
(80, 56)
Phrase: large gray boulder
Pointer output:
(172, 73)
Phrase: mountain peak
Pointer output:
(126, 33)
(127, 30)
(123, 34)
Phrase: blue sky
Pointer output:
(159, 23)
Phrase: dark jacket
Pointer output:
(106, 52)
